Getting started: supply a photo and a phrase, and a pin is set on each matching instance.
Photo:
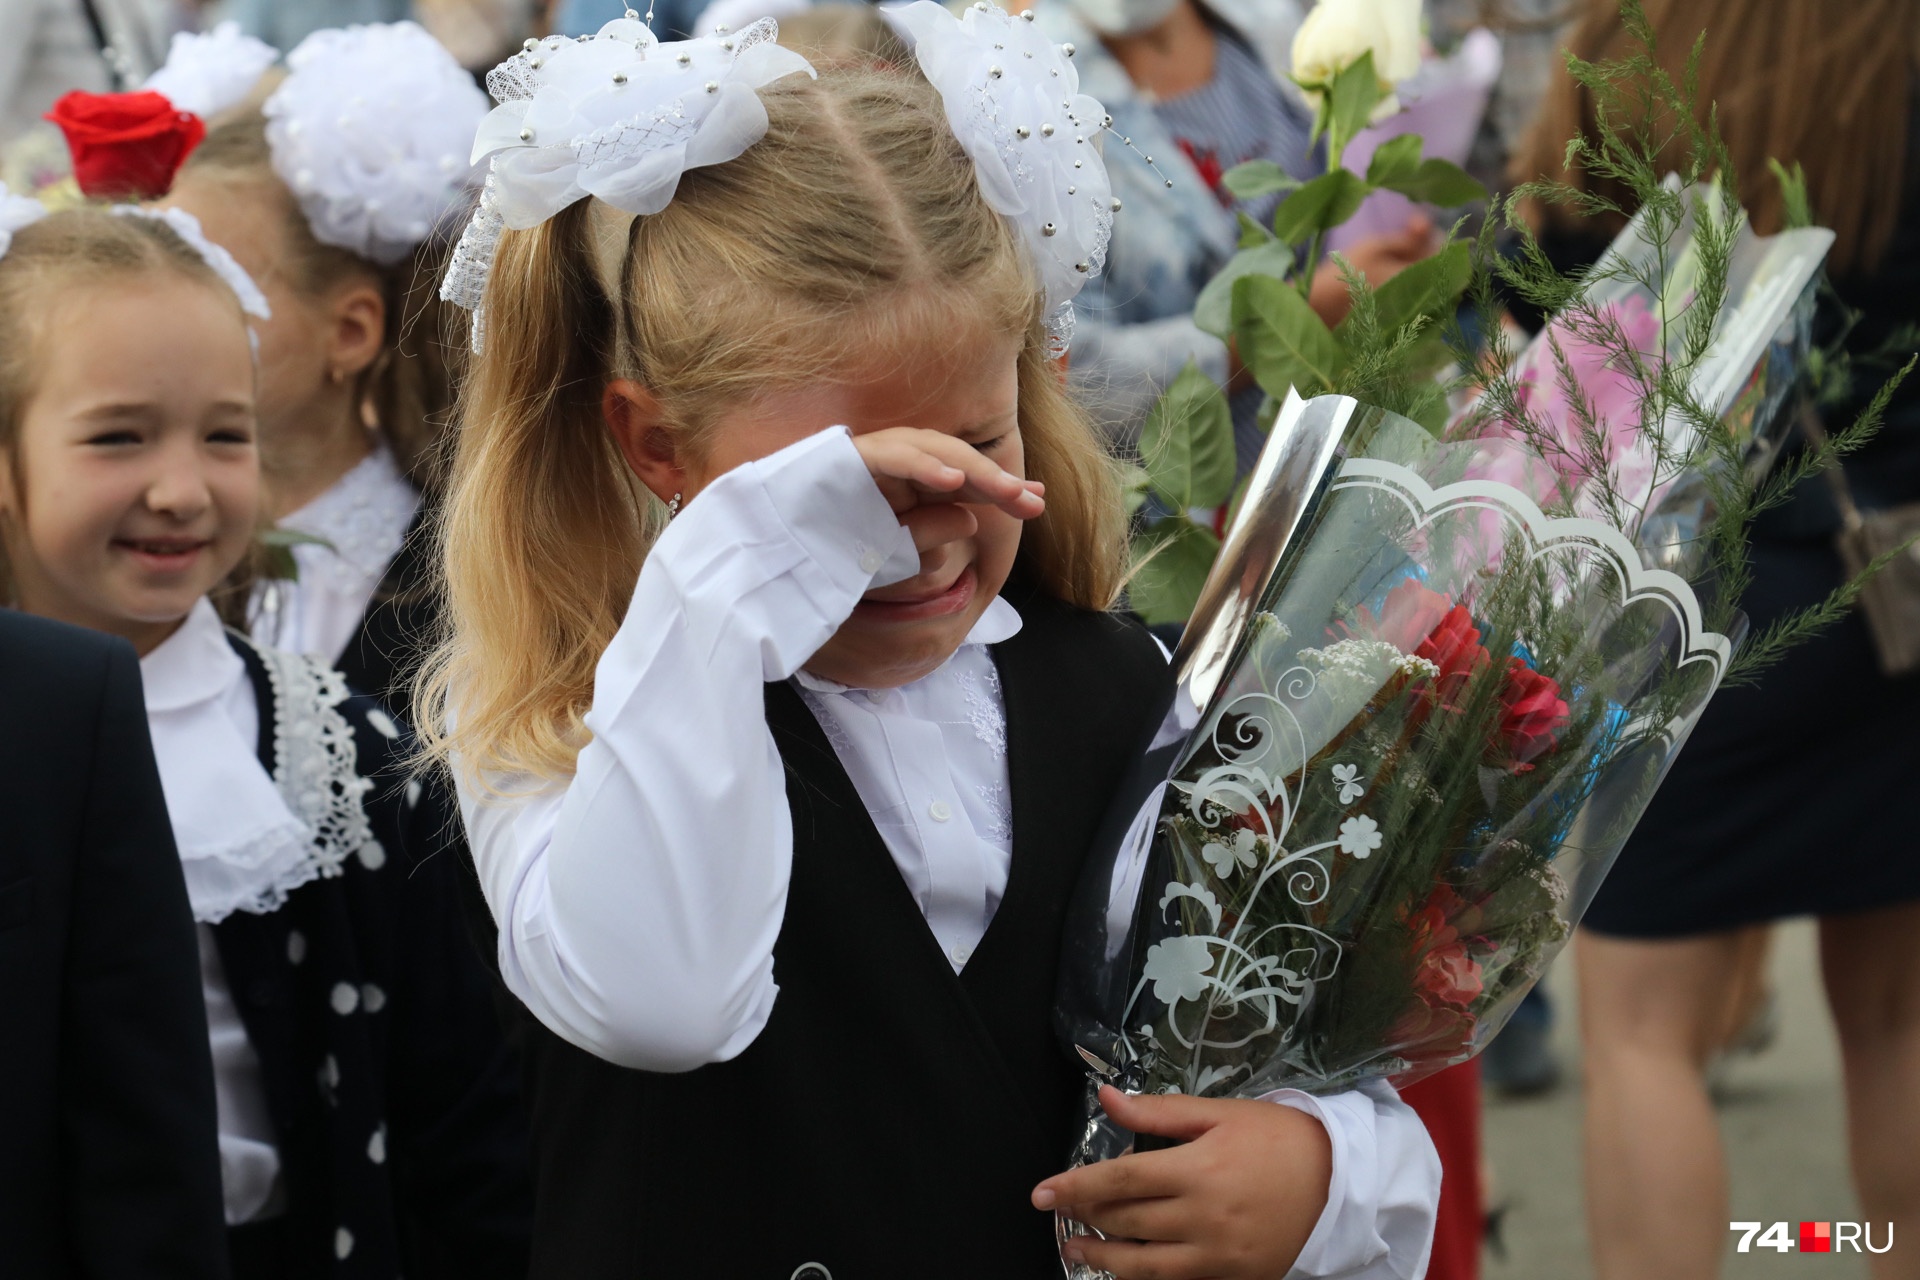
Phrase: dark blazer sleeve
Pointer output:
(140, 1156)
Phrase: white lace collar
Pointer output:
(247, 840)
(1001, 621)
(364, 517)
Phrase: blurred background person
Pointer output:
(52, 46)
(1787, 800)
(672, 19)
(1200, 89)
(285, 23)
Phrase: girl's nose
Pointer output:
(179, 486)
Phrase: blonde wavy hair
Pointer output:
(855, 220)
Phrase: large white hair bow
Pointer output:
(206, 73)
(16, 213)
(617, 115)
(1013, 100)
(370, 133)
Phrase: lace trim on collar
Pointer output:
(316, 769)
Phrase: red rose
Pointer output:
(1454, 647)
(126, 145)
(1532, 714)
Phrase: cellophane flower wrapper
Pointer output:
(1431, 686)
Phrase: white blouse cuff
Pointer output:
(1384, 1194)
(808, 520)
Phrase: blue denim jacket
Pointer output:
(1134, 329)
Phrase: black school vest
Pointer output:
(893, 1116)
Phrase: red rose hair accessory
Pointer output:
(126, 146)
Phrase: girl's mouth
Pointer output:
(163, 555)
(954, 599)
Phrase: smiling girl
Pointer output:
(782, 691)
(367, 1114)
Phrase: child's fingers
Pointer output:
(1128, 1260)
(946, 469)
(1131, 1177)
(1165, 1115)
(1167, 1219)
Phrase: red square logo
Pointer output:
(1816, 1237)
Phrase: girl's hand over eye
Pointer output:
(1236, 1201)
(915, 468)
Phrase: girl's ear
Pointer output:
(359, 330)
(639, 429)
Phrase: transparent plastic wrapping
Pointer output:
(1428, 690)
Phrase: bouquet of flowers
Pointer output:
(1435, 675)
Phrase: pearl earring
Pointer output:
(673, 508)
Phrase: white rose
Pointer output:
(1337, 32)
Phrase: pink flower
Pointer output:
(1603, 379)
(1446, 972)
(1407, 616)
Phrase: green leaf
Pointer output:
(1213, 309)
(1257, 178)
(1396, 159)
(1429, 288)
(1282, 341)
(1187, 444)
(1439, 182)
(1134, 485)
(1171, 564)
(1352, 97)
(1320, 205)
(1252, 234)
(277, 546)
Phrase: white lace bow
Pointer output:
(617, 115)
(16, 213)
(369, 133)
(1013, 100)
(208, 72)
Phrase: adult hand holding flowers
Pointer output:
(1237, 1198)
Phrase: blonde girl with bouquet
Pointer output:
(782, 689)
(368, 1119)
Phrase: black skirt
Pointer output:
(1793, 796)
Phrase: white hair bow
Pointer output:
(1013, 100)
(16, 212)
(617, 115)
(369, 133)
(208, 72)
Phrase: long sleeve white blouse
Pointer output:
(638, 903)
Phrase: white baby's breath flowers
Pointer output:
(1367, 662)
(1337, 32)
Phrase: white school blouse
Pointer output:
(236, 839)
(638, 902)
(364, 517)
